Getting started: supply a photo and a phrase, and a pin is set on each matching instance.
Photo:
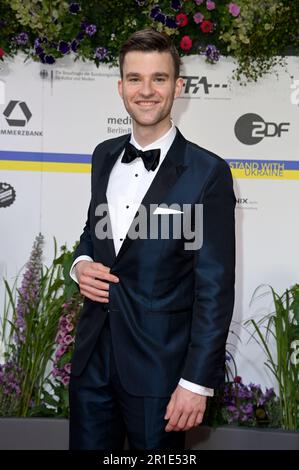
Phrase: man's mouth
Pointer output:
(146, 103)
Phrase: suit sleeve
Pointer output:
(85, 246)
(214, 268)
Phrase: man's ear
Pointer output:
(120, 88)
(178, 87)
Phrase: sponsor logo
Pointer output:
(11, 109)
(17, 114)
(7, 195)
(196, 86)
(119, 125)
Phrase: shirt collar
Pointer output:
(163, 143)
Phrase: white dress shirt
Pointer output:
(127, 186)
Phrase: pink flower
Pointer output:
(234, 9)
(65, 380)
(68, 339)
(67, 368)
(60, 352)
(69, 327)
(186, 43)
(210, 5)
(198, 17)
(198, 2)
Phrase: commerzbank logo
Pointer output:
(17, 113)
(17, 116)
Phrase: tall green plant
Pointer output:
(282, 325)
(29, 327)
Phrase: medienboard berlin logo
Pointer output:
(12, 109)
(7, 195)
(250, 129)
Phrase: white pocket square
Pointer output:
(166, 210)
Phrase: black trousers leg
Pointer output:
(102, 413)
(95, 417)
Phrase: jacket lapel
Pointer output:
(101, 188)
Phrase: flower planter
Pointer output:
(52, 434)
(241, 438)
(33, 434)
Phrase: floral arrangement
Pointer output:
(256, 34)
(277, 333)
(248, 405)
(39, 318)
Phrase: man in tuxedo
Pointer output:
(150, 344)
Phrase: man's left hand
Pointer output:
(185, 410)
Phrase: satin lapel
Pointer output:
(170, 170)
(101, 188)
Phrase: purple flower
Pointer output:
(22, 39)
(39, 50)
(64, 47)
(101, 53)
(74, 8)
(91, 29)
(74, 45)
(28, 297)
(155, 11)
(198, 17)
(80, 36)
(232, 408)
(212, 53)
(170, 23)
(160, 18)
(198, 2)
(234, 9)
(49, 59)
(210, 5)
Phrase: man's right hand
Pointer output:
(94, 279)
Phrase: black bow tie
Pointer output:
(150, 157)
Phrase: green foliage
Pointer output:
(282, 328)
(258, 38)
(29, 329)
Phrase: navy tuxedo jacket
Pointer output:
(171, 310)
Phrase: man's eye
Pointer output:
(160, 79)
(135, 79)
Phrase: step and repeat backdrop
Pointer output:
(52, 117)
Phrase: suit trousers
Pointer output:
(103, 414)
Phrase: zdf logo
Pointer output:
(251, 128)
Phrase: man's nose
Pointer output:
(147, 88)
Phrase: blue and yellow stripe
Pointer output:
(81, 163)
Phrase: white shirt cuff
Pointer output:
(72, 270)
(207, 392)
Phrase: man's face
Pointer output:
(148, 87)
